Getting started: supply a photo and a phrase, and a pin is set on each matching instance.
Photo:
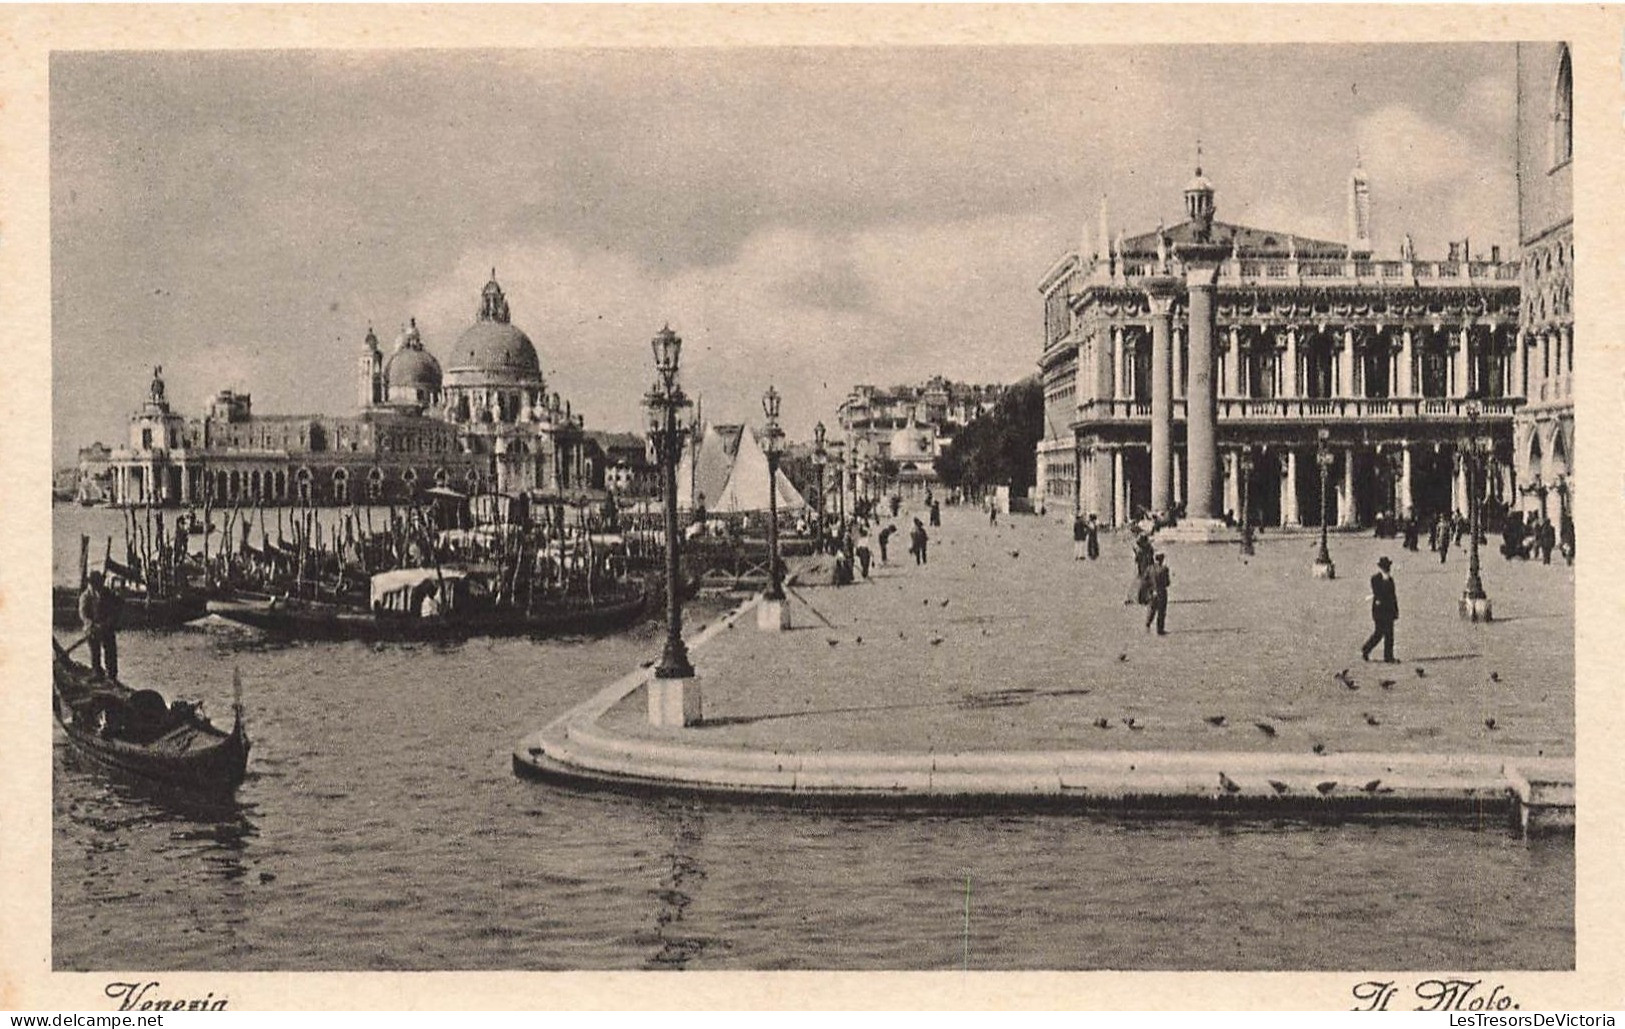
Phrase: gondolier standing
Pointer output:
(98, 612)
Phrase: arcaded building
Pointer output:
(1544, 427)
(1171, 354)
(486, 423)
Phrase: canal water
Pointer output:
(381, 827)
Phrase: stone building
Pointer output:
(1543, 430)
(1171, 354)
(906, 428)
(485, 424)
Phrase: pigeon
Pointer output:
(1278, 786)
(1266, 728)
(1132, 724)
(926, 602)
(1319, 748)
(1388, 684)
(1371, 719)
(936, 641)
(1495, 677)
(1346, 679)
(1015, 554)
(1421, 673)
(945, 601)
(859, 640)
(1101, 723)
(1122, 657)
(1489, 723)
(1371, 787)
(1325, 788)
(900, 635)
(647, 664)
(1215, 720)
(1230, 785)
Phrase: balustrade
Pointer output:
(1313, 409)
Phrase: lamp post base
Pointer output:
(772, 615)
(1475, 609)
(674, 703)
(1323, 570)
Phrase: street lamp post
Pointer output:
(1323, 568)
(674, 695)
(820, 457)
(1245, 464)
(1475, 603)
(772, 615)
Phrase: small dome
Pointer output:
(412, 368)
(1199, 184)
(493, 345)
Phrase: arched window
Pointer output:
(1563, 111)
(375, 483)
(341, 486)
(303, 478)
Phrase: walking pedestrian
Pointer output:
(1158, 611)
(918, 539)
(1138, 591)
(884, 538)
(1094, 538)
(1384, 612)
(992, 511)
(1445, 533)
(98, 613)
(1080, 538)
(1548, 540)
(936, 513)
(863, 555)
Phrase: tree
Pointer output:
(996, 448)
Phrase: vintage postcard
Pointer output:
(1113, 497)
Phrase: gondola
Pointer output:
(136, 610)
(138, 734)
(423, 617)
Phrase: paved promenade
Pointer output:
(1003, 650)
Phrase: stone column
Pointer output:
(1290, 372)
(1179, 478)
(1458, 365)
(1406, 505)
(1119, 489)
(1520, 366)
(1160, 291)
(1232, 366)
(1406, 361)
(1232, 483)
(1345, 492)
(1119, 364)
(1345, 366)
(1201, 414)
(1289, 490)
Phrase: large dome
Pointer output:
(412, 369)
(494, 346)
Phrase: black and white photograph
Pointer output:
(1072, 507)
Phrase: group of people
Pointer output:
(849, 543)
(1151, 581)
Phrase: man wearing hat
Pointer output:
(98, 613)
(1384, 612)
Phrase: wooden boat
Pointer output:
(139, 734)
(406, 607)
(137, 610)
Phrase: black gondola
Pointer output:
(137, 733)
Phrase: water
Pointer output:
(382, 828)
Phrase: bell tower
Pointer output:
(1359, 210)
(1199, 200)
(370, 379)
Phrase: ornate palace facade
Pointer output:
(1220, 340)
(487, 424)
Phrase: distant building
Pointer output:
(94, 482)
(624, 465)
(903, 429)
(1384, 354)
(1543, 431)
(485, 424)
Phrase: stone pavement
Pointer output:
(1004, 667)
(1003, 642)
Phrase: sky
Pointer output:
(810, 218)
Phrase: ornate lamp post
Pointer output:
(1475, 603)
(1323, 569)
(840, 483)
(771, 613)
(1245, 465)
(674, 698)
(820, 458)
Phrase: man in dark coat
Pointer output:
(885, 538)
(1384, 612)
(1158, 610)
(98, 613)
(1547, 539)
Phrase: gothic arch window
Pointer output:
(440, 477)
(341, 485)
(304, 481)
(1563, 111)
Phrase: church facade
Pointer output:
(485, 424)
(1188, 366)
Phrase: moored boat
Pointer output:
(435, 604)
(137, 733)
(136, 610)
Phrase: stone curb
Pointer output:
(575, 749)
